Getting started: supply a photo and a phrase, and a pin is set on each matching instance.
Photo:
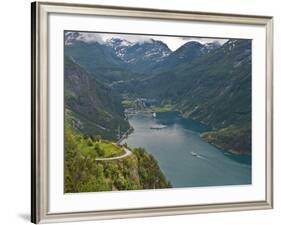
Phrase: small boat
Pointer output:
(158, 127)
(194, 154)
(154, 115)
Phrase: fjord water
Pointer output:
(174, 147)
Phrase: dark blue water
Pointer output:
(172, 147)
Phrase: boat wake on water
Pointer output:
(198, 156)
(202, 157)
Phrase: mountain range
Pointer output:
(210, 83)
(115, 59)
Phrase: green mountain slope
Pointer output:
(98, 59)
(187, 53)
(143, 57)
(93, 108)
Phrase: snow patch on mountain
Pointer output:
(211, 46)
(131, 52)
(72, 37)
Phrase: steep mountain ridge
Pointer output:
(185, 54)
(97, 59)
(129, 52)
(93, 108)
(141, 57)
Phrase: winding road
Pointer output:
(127, 153)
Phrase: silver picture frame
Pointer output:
(39, 151)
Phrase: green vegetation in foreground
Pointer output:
(232, 138)
(102, 148)
(109, 149)
(84, 174)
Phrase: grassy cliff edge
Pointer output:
(83, 173)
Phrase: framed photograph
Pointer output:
(146, 112)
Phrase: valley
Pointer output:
(112, 83)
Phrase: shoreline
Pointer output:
(232, 151)
(149, 141)
(125, 135)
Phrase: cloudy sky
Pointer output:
(172, 42)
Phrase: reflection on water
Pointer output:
(184, 157)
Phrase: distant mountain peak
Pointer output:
(118, 42)
(86, 37)
(139, 51)
(193, 43)
(236, 43)
(212, 45)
